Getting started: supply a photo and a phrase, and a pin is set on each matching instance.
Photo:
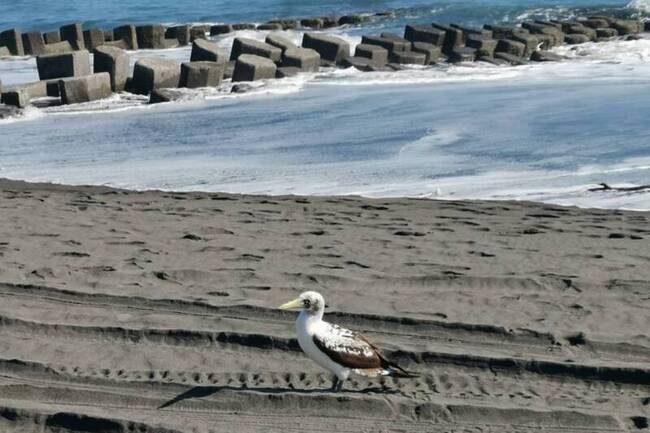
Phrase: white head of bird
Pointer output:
(312, 303)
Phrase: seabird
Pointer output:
(339, 350)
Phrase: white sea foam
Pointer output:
(545, 13)
(564, 188)
(28, 114)
(641, 5)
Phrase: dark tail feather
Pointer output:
(397, 371)
(393, 369)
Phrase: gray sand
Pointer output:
(156, 311)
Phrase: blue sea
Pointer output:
(546, 132)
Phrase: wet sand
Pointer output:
(154, 311)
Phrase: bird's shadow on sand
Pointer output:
(206, 391)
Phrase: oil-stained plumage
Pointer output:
(337, 349)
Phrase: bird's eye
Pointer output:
(307, 303)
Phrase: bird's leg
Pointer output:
(339, 385)
(336, 384)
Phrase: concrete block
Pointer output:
(287, 24)
(115, 62)
(402, 44)
(180, 33)
(287, 71)
(151, 36)
(473, 31)
(546, 42)
(128, 34)
(198, 32)
(354, 20)
(250, 67)
(500, 32)
(230, 69)
(545, 56)
(530, 42)
(170, 43)
(121, 44)
(627, 27)
(430, 51)
(201, 74)
(205, 28)
(58, 48)
(52, 88)
(243, 26)
(511, 47)
(549, 23)
(221, 29)
(251, 46)
(270, 26)
(544, 29)
(575, 39)
(93, 38)
(279, 41)
(35, 89)
(329, 21)
(565, 25)
(312, 23)
(155, 73)
(15, 98)
(4, 52)
(390, 44)
(52, 37)
(73, 64)
(306, 59)
(462, 54)
(595, 23)
(206, 51)
(361, 63)
(33, 43)
(484, 45)
(606, 33)
(73, 34)
(377, 55)
(510, 58)
(422, 33)
(164, 95)
(13, 40)
(453, 38)
(407, 58)
(85, 89)
(583, 30)
(330, 48)
(608, 20)
(394, 67)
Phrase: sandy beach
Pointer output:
(157, 312)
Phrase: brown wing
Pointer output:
(348, 349)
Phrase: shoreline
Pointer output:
(103, 189)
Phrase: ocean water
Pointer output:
(546, 132)
(47, 14)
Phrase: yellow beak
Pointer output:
(291, 305)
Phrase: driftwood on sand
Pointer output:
(606, 187)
